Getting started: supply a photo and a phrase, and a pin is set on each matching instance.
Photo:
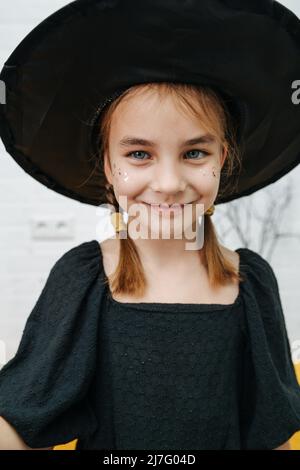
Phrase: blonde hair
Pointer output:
(208, 106)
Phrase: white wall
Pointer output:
(25, 263)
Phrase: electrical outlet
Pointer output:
(52, 228)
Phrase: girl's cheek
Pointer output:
(120, 175)
(207, 178)
(125, 181)
(211, 172)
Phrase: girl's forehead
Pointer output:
(143, 101)
(148, 117)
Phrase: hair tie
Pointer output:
(210, 211)
(118, 221)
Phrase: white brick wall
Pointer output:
(25, 263)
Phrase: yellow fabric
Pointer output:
(68, 446)
(294, 440)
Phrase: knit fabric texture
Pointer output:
(151, 375)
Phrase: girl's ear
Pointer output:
(107, 167)
(223, 154)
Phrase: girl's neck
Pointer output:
(169, 253)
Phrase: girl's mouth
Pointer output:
(164, 209)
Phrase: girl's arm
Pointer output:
(285, 446)
(11, 440)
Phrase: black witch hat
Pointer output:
(64, 72)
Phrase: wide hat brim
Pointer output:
(72, 62)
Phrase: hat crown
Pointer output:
(86, 52)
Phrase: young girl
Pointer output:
(139, 342)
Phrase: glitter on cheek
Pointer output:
(214, 172)
(125, 178)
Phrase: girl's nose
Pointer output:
(169, 179)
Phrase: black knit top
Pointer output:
(151, 375)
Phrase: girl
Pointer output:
(139, 342)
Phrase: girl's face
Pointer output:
(151, 161)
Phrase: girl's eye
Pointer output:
(137, 151)
(190, 151)
(199, 151)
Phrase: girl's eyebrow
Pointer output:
(201, 139)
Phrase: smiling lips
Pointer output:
(165, 208)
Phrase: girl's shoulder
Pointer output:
(80, 258)
(257, 266)
(258, 276)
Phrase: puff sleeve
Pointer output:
(44, 387)
(270, 405)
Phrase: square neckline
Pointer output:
(172, 307)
